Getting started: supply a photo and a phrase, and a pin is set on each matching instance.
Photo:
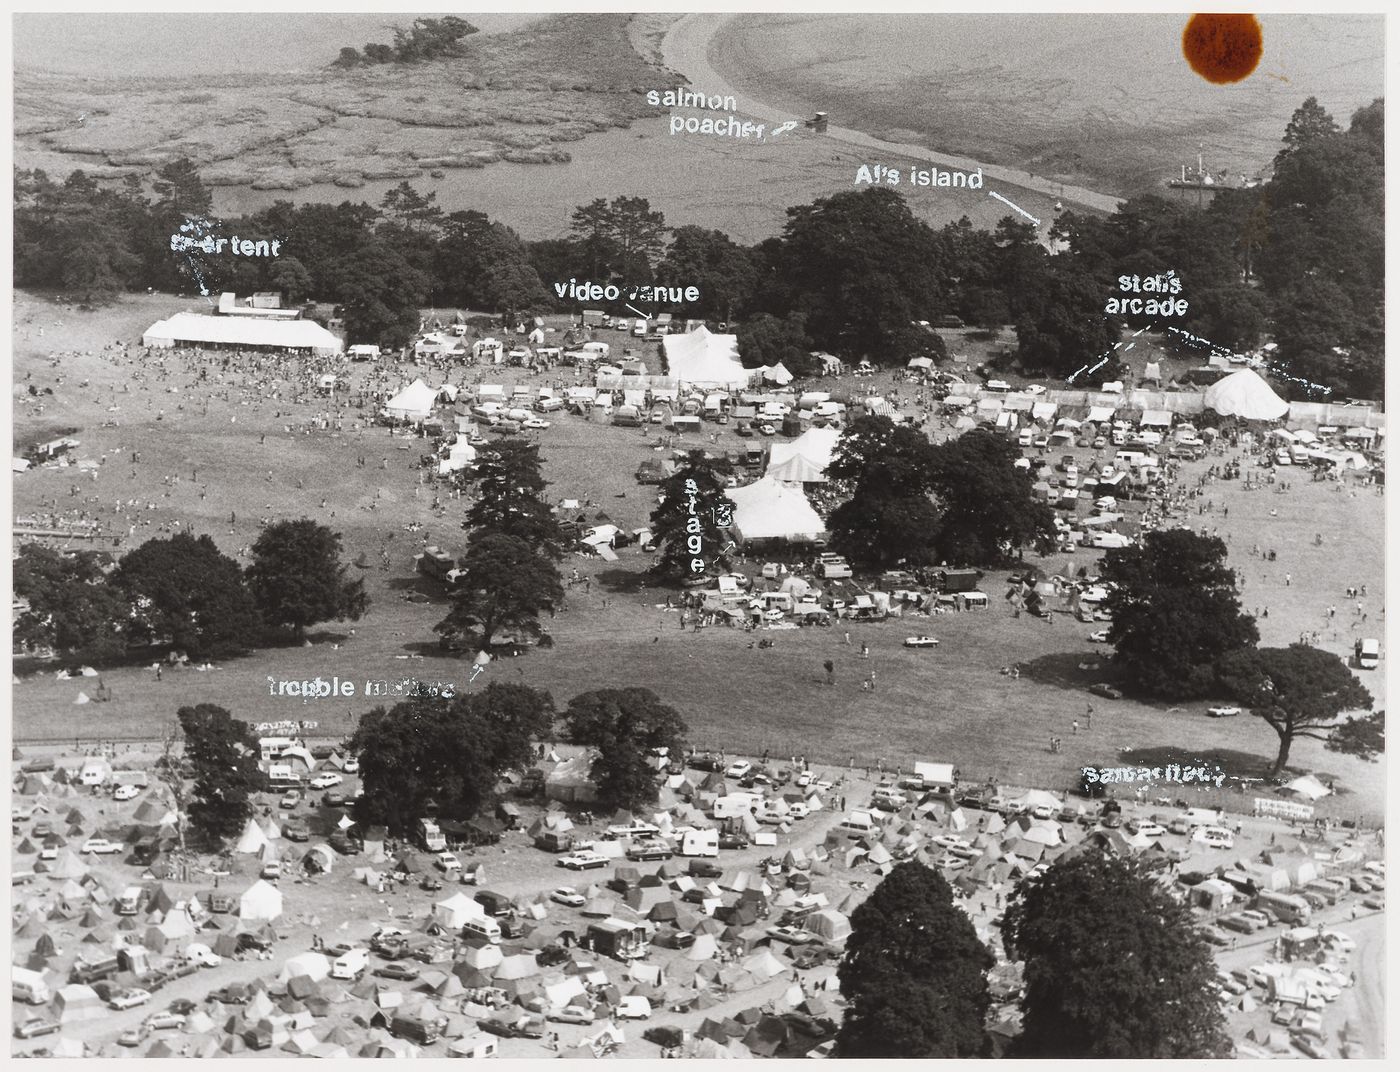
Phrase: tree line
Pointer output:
(426, 39)
(1112, 967)
(183, 593)
(854, 274)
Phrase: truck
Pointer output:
(436, 563)
(430, 836)
(1290, 908)
(618, 939)
(1368, 653)
(554, 841)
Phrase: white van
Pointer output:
(29, 987)
(549, 405)
(350, 965)
(129, 903)
(1368, 653)
(857, 824)
(481, 928)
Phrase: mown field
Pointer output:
(949, 703)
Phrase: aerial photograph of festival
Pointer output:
(774, 535)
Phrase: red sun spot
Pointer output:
(1223, 48)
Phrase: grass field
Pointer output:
(948, 703)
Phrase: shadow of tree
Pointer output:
(625, 581)
(1075, 670)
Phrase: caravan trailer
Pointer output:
(700, 843)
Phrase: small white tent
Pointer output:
(413, 403)
(252, 840)
(260, 901)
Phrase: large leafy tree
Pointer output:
(381, 294)
(224, 756)
(504, 585)
(691, 523)
(622, 236)
(72, 607)
(1063, 330)
(447, 751)
(1300, 691)
(713, 263)
(860, 265)
(510, 498)
(765, 341)
(1311, 124)
(914, 975)
(624, 725)
(297, 577)
(889, 517)
(1176, 612)
(185, 592)
(1114, 966)
(986, 506)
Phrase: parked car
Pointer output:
(1215, 936)
(447, 861)
(290, 799)
(100, 845)
(129, 999)
(396, 970)
(326, 780)
(34, 1027)
(1235, 922)
(1147, 827)
(126, 792)
(1222, 712)
(790, 935)
(582, 861)
(1106, 690)
(165, 1021)
(567, 895)
(733, 841)
(650, 850)
(571, 1014)
(1215, 837)
(738, 769)
(920, 642)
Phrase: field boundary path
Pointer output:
(685, 50)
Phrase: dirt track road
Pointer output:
(685, 50)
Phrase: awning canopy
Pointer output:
(1156, 418)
